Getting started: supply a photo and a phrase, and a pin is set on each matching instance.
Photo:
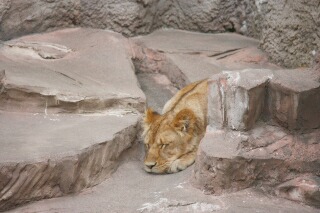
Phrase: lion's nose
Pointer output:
(150, 165)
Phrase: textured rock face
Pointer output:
(129, 17)
(291, 31)
(240, 150)
(210, 16)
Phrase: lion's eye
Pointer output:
(147, 146)
(163, 146)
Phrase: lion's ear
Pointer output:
(150, 116)
(185, 121)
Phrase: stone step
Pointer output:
(264, 130)
(45, 156)
(238, 99)
(130, 189)
(73, 70)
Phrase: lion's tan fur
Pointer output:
(172, 138)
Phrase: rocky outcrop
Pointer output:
(291, 31)
(263, 132)
(70, 106)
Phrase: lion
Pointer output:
(172, 139)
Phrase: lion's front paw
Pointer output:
(180, 164)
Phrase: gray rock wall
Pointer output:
(291, 31)
(130, 17)
(210, 16)
(20, 17)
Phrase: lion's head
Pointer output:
(171, 140)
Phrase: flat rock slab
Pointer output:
(73, 70)
(200, 55)
(47, 155)
(38, 137)
(130, 189)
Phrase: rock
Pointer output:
(68, 71)
(158, 89)
(237, 99)
(211, 16)
(187, 56)
(265, 156)
(264, 130)
(304, 189)
(44, 156)
(130, 17)
(69, 108)
(291, 42)
(293, 103)
(290, 31)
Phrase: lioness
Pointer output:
(172, 139)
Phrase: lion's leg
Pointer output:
(183, 162)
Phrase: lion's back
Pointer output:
(193, 97)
